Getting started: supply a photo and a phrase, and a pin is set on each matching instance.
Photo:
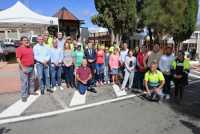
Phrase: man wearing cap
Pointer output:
(154, 82)
(165, 67)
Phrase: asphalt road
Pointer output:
(133, 116)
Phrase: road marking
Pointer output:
(118, 91)
(194, 75)
(196, 71)
(19, 107)
(78, 99)
(36, 116)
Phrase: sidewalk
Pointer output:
(9, 78)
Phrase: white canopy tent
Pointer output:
(19, 17)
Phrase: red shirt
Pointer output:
(83, 72)
(25, 54)
(140, 60)
(100, 57)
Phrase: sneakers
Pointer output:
(54, 88)
(49, 90)
(24, 99)
(167, 97)
(61, 88)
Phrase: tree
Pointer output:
(119, 16)
(176, 18)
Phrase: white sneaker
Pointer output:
(54, 89)
(167, 97)
(108, 82)
(61, 88)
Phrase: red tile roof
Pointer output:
(65, 14)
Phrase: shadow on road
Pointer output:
(190, 104)
(4, 130)
(194, 128)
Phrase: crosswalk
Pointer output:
(70, 99)
(18, 108)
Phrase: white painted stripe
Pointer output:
(18, 107)
(36, 116)
(196, 71)
(194, 75)
(78, 99)
(118, 91)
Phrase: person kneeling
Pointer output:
(154, 82)
(84, 77)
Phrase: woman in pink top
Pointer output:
(100, 65)
(114, 65)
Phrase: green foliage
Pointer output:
(118, 15)
(176, 18)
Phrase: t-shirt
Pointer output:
(114, 61)
(83, 73)
(100, 57)
(25, 54)
(140, 61)
(154, 57)
(78, 56)
(154, 79)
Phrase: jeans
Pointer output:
(100, 71)
(154, 93)
(43, 76)
(83, 87)
(55, 75)
(68, 74)
(27, 82)
(106, 73)
(167, 86)
(129, 76)
(140, 80)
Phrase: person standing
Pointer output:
(90, 55)
(106, 66)
(84, 76)
(56, 58)
(25, 59)
(42, 58)
(180, 70)
(60, 41)
(130, 63)
(100, 65)
(68, 67)
(123, 54)
(48, 40)
(153, 56)
(165, 67)
(78, 55)
(154, 82)
(114, 65)
(140, 67)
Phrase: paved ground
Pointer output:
(9, 78)
(135, 115)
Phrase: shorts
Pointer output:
(114, 71)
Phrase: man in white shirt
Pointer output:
(165, 67)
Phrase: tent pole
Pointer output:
(58, 27)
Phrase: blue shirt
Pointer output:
(41, 53)
(56, 55)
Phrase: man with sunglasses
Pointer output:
(25, 59)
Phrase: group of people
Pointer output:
(85, 66)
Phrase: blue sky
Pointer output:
(83, 9)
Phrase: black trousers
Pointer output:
(179, 88)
